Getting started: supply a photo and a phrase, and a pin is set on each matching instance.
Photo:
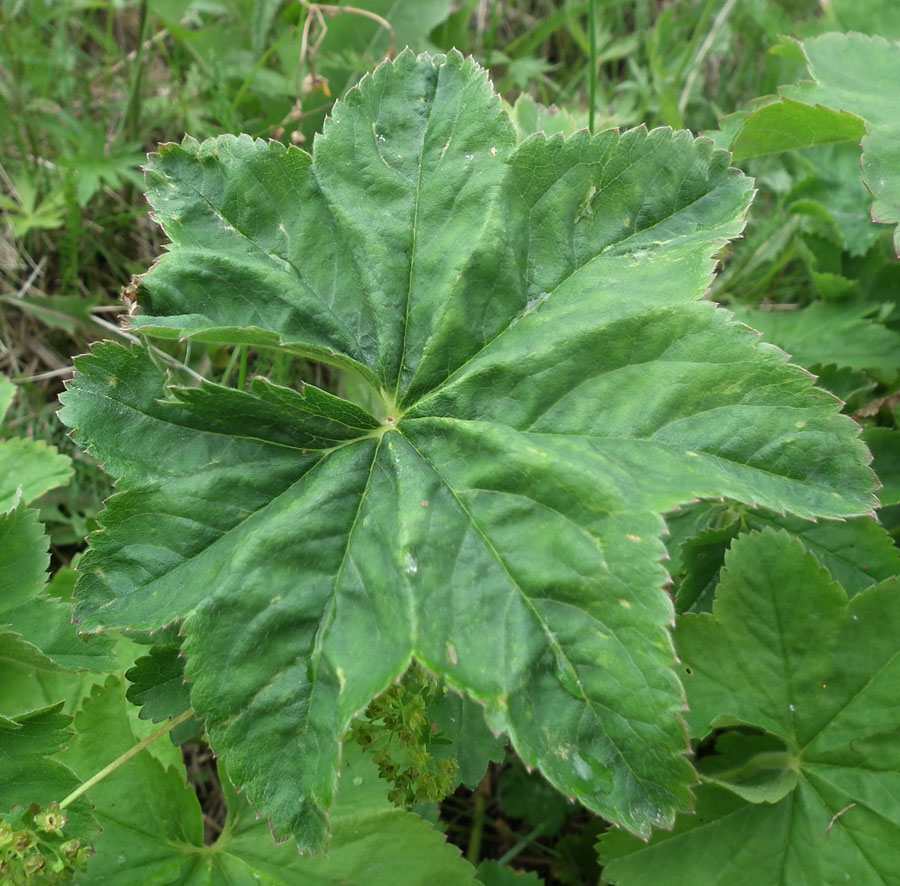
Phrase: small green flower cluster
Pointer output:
(397, 731)
(34, 851)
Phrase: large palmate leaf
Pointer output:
(785, 651)
(550, 381)
(853, 82)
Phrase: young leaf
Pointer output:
(858, 553)
(159, 686)
(461, 722)
(786, 651)
(531, 319)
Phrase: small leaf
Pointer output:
(787, 125)
(755, 766)
(461, 721)
(149, 816)
(7, 392)
(829, 333)
(530, 117)
(159, 687)
(29, 773)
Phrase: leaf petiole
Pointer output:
(120, 761)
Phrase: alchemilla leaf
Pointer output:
(531, 320)
(851, 82)
(786, 651)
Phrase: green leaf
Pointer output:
(826, 332)
(787, 125)
(28, 772)
(152, 823)
(23, 558)
(551, 381)
(755, 766)
(881, 17)
(372, 841)
(726, 841)
(831, 702)
(43, 731)
(159, 687)
(885, 446)
(27, 465)
(36, 630)
(849, 74)
(150, 818)
(858, 553)
(461, 722)
(834, 190)
(7, 392)
(530, 117)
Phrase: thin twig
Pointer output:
(43, 376)
(836, 816)
(166, 358)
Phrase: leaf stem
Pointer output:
(121, 761)
(473, 853)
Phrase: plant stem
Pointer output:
(473, 853)
(592, 71)
(121, 761)
(242, 369)
(526, 841)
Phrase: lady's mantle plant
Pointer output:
(530, 318)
